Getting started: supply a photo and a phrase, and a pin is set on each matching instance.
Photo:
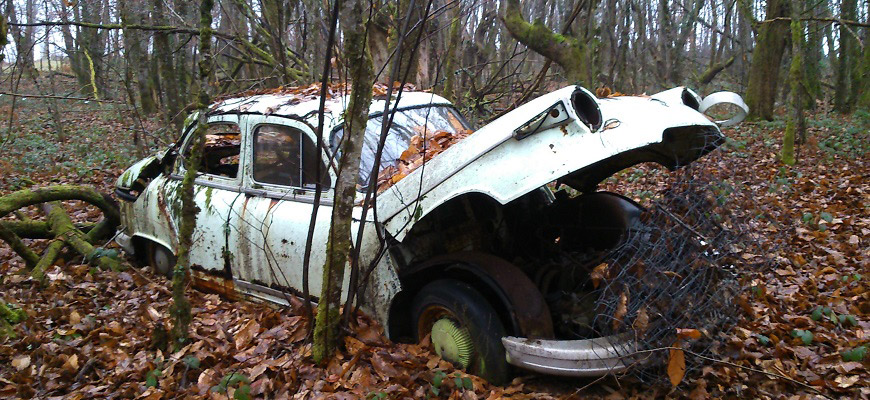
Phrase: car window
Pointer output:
(285, 156)
(406, 124)
(223, 144)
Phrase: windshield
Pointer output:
(406, 124)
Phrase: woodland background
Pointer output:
(89, 86)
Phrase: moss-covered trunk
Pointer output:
(766, 59)
(795, 125)
(358, 58)
(566, 51)
(455, 37)
(848, 55)
(9, 315)
(189, 210)
(163, 53)
(864, 92)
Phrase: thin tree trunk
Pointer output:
(864, 99)
(846, 60)
(168, 74)
(189, 209)
(766, 60)
(795, 124)
(358, 58)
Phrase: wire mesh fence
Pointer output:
(675, 278)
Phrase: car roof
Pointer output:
(304, 102)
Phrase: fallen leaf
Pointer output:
(846, 381)
(74, 318)
(688, 333)
(676, 365)
(598, 273)
(20, 363)
(621, 309)
(246, 334)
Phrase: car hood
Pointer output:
(504, 161)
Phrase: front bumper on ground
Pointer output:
(590, 357)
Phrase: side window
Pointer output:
(285, 156)
(223, 144)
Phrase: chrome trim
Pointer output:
(263, 293)
(237, 188)
(590, 357)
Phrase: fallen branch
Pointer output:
(30, 258)
(46, 96)
(31, 229)
(62, 227)
(58, 226)
(27, 197)
(48, 257)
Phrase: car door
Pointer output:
(218, 186)
(276, 210)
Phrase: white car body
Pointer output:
(250, 237)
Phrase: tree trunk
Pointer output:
(864, 98)
(361, 74)
(452, 56)
(168, 74)
(189, 210)
(795, 124)
(812, 60)
(766, 60)
(846, 60)
(136, 58)
(566, 51)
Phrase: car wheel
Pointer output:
(161, 259)
(464, 328)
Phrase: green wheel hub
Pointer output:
(452, 342)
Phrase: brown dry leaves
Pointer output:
(419, 150)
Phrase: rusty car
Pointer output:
(457, 239)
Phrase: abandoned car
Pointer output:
(468, 220)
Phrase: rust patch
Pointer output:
(210, 283)
(244, 208)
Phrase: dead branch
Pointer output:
(30, 258)
(58, 225)
(48, 257)
(31, 229)
(45, 96)
(28, 197)
(830, 20)
(63, 228)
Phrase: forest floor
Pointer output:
(90, 334)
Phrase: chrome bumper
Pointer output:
(125, 241)
(591, 357)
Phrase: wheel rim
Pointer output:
(161, 260)
(451, 340)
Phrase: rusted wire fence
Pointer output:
(675, 278)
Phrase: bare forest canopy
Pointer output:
(485, 56)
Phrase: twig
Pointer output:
(773, 374)
(46, 96)
(831, 20)
(85, 369)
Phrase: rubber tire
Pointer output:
(156, 251)
(475, 314)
